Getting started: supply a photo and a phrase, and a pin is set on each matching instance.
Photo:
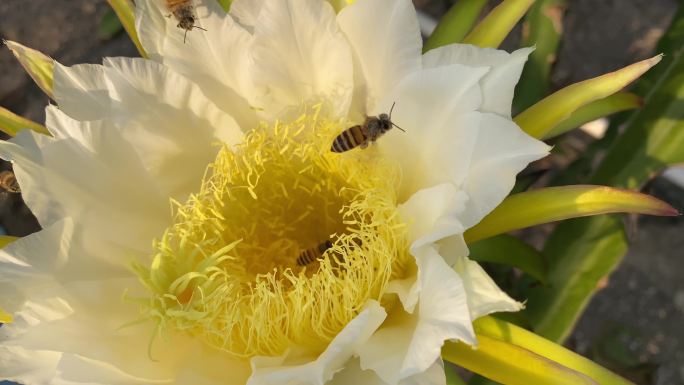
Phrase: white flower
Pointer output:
(132, 134)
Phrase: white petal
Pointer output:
(448, 140)
(432, 214)
(385, 38)
(150, 23)
(203, 365)
(434, 375)
(29, 366)
(484, 296)
(81, 91)
(246, 11)
(89, 176)
(30, 265)
(499, 84)
(215, 59)
(353, 374)
(77, 370)
(83, 317)
(300, 56)
(408, 344)
(270, 370)
(501, 151)
(438, 109)
(172, 125)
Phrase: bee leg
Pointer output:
(364, 144)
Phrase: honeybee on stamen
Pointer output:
(8, 182)
(184, 12)
(309, 255)
(363, 134)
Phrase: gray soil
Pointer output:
(634, 323)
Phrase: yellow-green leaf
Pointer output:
(511, 251)
(612, 104)
(339, 4)
(225, 4)
(585, 251)
(125, 10)
(509, 364)
(552, 204)
(494, 28)
(5, 318)
(543, 29)
(452, 376)
(539, 119)
(455, 24)
(109, 26)
(36, 64)
(11, 123)
(503, 331)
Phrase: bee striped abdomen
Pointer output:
(309, 255)
(349, 139)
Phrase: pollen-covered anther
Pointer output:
(227, 270)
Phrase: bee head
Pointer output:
(384, 122)
(187, 22)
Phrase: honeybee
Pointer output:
(184, 12)
(8, 182)
(309, 255)
(364, 134)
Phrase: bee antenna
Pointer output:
(390, 118)
(199, 28)
(185, 36)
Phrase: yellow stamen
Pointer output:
(226, 271)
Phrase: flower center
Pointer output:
(283, 245)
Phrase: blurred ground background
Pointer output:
(635, 324)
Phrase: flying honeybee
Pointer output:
(364, 134)
(309, 255)
(184, 12)
(8, 182)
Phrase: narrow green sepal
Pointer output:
(512, 355)
(622, 101)
(11, 123)
(455, 24)
(543, 29)
(37, 65)
(552, 204)
(225, 4)
(494, 28)
(509, 364)
(510, 251)
(125, 10)
(542, 117)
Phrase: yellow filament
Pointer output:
(226, 270)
